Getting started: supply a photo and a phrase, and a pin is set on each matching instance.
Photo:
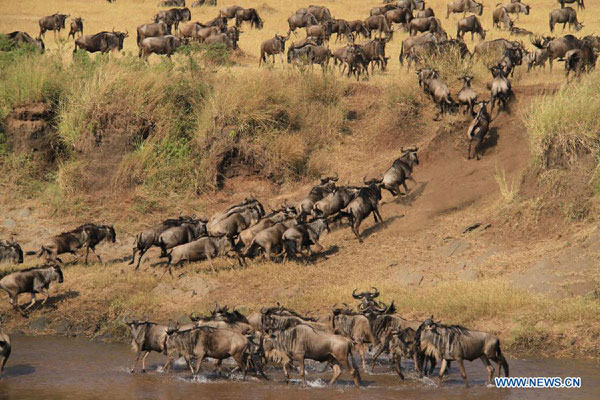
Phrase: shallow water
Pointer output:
(49, 367)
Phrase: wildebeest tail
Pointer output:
(401, 56)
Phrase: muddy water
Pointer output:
(64, 368)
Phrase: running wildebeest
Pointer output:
(146, 337)
(467, 96)
(76, 26)
(326, 186)
(10, 252)
(232, 225)
(54, 22)
(18, 37)
(270, 239)
(580, 4)
(355, 327)
(30, 280)
(501, 91)
(203, 248)
(66, 242)
(184, 233)
(271, 47)
(400, 171)
(302, 236)
(565, 16)
(166, 45)
(245, 237)
(334, 202)
(364, 204)
(248, 15)
(172, 3)
(478, 128)
(464, 6)
(304, 342)
(4, 349)
(247, 204)
(457, 343)
(470, 24)
(152, 30)
(95, 235)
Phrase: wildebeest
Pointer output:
(510, 59)
(301, 21)
(379, 23)
(400, 171)
(516, 31)
(228, 39)
(321, 13)
(358, 27)
(152, 30)
(470, 24)
(381, 10)
(410, 42)
(438, 89)
(464, 6)
(222, 318)
(19, 37)
(245, 237)
(467, 96)
(501, 91)
(373, 53)
(4, 349)
(173, 17)
(334, 202)
(457, 343)
(203, 248)
(76, 26)
(496, 47)
(230, 12)
(431, 24)
(428, 12)
(101, 41)
(192, 31)
(500, 15)
(281, 318)
(320, 31)
(10, 252)
(355, 327)
(478, 128)
(248, 15)
(399, 16)
(30, 280)
(517, 8)
(247, 204)
(149, 238)
(580, 3)
(146, 337)
(270, 239)
(54, 22)
(364, 204)
(341, 27)
(232, 225)
(326, 186)
(95, 235)
(66, 242)
(273, 46)
(352, 57)
(536, 58)
(557, 48)
(304, 235)
(166, 45)
(565, 16)
(172, 3)
(200, 3)
(580, 60)
(184, 233)
(304, 342)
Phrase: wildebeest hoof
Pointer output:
(143, 371)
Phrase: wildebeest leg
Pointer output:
(376, 212)
(96, 254)
(442, 371)
(240, 362)
(463, 373)
(32, 302)
(46, 296)
(355, 227)
(135, 249)
(397, 363)
(469, 151)
(302, 371)
(142, 252)
(144, 361)
(361, 349)
(489, 367)
(87, 252)
(137, 358)
(218, 368)
(209, 258)
(380, 350)
(337, 371)
(4, 359)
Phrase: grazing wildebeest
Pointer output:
(457, 343)
(184, 233)
(203, 248)
(146, 337)
(149, 238)
(467, 96)
(410, 42)
(95, 235)
(478, 128)
(431, 24)
(30, 280)
(303, 235)
(364, 204)
(167, 45)
(496, 47)
(228, 39)
(321, 31)
(358, 27)
(326, 186)
(580, 60)
(470, 24)
(303, 342)
(565, 16)
(76, 26)
(379, 23)
(516, 31)
(517, 8)
(10, 252)
(464, 6)
(580, 4)
(230, 12)
(172, 3)
(500, 16)
(334, 202)
(341, 28)
(428, 12)
(400, 171)
(55, 22)
(501, 89)
(301, 21)
(144, 31)
(355, 327)
(4, 349)
(248, 15)
(19, 37)
(273, 46)
(399, 16)
(66, 242)
(270, 239)
(173, 17)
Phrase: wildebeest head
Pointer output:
(329, 179)
(58, 273)
(111, 235)
(61, 18)
(121, 37)
(11, 251)
(136, 327)
(411, 155)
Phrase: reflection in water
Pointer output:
(64, 368)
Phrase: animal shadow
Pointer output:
(54, 300)
(18, 370)
(413, 195)
(382, 225)
(323, 255)
(491, 140)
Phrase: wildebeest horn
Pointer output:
(365, 179)
(356, 296)
(126, 319)
(336, 177)
(375, 292)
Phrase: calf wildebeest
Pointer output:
(184, 233)
(500, 16)
(304, 342)
(565, 16)
(478, 128)
(10, 252)
(341, 28)
(580, 4)
(230, 12)
(149, 238)
(358, 27)
(66, 242)
(464, 6)
(146, 337)
(457, 343)
(54, 22)
(379, 23)
(326, 186)
(19, 37)
(399, 16)
(467, 96)
(304, 235)
(4, 349)
(355, 327)
(334, 202)
(152, 30)
(516, 31)
(364, 204)
(95, 235)
(470, 24)
(273, 46)
(301, 21)
(431, 24)
(580, 60)
(517, 8)
(30, 280)
(172, 3)
(270, 239)
(166, 45)
(248, 15)
(203, 248)
(400, 171)
(76, 26)
(501, 91)
(428, 12)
